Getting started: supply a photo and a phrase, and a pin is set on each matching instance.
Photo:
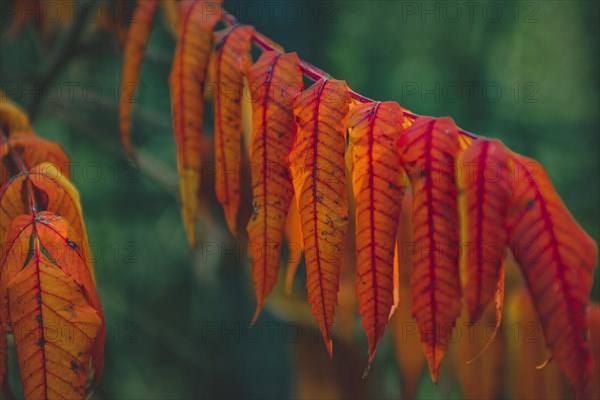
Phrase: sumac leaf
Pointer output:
(196, 23)
(483, 181)
(133, 54)
(44, 285)
(231, 63)
(374, 129)
(276, 79)
(557, 259)
(428, 151)
(318, 172)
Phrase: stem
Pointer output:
(316, 73)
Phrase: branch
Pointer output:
(316, 73)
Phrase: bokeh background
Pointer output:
(177, 319)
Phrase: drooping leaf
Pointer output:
(44, 285)
(272, 79)
(484, 189)
(293, 235)
(428, 151)
(231, 63)
(317, 166)
(135, 47)
(30, 150)
(47, 190)
(188, 74)
(59, 246)
(374, 129)
(557, 259)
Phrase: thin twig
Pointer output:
(316, 73)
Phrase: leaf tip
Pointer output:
(544, 364)
(190, 232)
(329, 345)
(256, 313)
(434, 360)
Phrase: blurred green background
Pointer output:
(524, 72)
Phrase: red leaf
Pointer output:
(558, 259)
(484, 189)
(429, 148)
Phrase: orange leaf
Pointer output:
(137, 38)
(293, 234)
(317, 165)
(557, 259)
(50, 191)
(484, 189)
(276, 80)
(44, 285)
(197, 20)
(31, 150)
(429, 148)
(231, 62)
(374, 129)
